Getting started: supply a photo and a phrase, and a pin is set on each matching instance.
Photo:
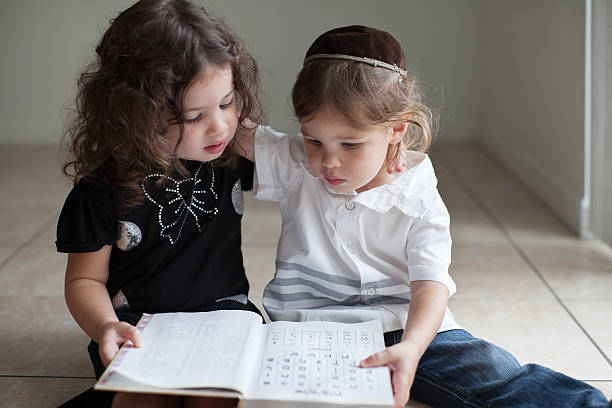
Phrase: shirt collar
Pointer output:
(410, 192)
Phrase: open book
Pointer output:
(231, 353)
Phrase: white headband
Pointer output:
(365, 60)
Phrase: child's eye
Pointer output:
(193, 120)
(227, 105)
(312, 142)
(352, 145)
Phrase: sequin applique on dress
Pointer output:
(179, 202)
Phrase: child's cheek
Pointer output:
(314, 160)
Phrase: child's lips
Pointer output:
(217, 147)
(334, 181)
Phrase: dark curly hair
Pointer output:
(133, 91)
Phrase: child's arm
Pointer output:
(90, 304)
(428, 300)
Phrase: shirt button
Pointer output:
(350, 248)
(349, 205)
(371, 291)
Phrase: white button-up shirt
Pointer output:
(350, 257)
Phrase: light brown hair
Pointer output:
(366, 96)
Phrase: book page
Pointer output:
(191, 350)
(319, 361)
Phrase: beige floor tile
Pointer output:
(34, 200)
(603, 386)
(39, 196)
(43, 169)
(574, 269)
(533, 225)
(261, 223)
(454, 194)
(503, 191)
(39, 337)
(259, 264)
(468, 223)
(473, 227)
(5, 252)
(520, 212)
(40, 392)
(45, 238)
(493, 271)
(471, 162)
(20, 223)
(34, 272)
(534, 331)
(30, 196)
(594, 316)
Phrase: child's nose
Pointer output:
(216, 125)
(330, 160)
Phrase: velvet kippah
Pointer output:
(369, 45)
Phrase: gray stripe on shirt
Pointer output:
(354, 283)
(286, 298)
(288, 266)
(285, 282)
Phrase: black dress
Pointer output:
(177, 252)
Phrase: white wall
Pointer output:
(439, 38)
(44, 44)
(601, 221)
(533, 96)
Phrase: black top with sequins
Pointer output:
(179, 251)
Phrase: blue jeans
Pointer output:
(458, 370)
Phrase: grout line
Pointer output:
(520, 251)
(504, 298)
(46, 376)
(21, 247)
(566, 299)
(41, 297)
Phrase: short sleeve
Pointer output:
(88, 220)
(278, 163)
(429, 246)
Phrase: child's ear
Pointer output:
(397, 132)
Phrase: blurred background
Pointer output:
(523, 156)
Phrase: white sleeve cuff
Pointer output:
(421, 272)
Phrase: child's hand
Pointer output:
(114, 334)
(402, 358)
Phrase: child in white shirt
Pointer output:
(361, 241)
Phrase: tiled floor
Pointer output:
(524, 282)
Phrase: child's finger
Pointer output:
(377, 359)
(129, 332)
(401, 391)
(107, 352)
